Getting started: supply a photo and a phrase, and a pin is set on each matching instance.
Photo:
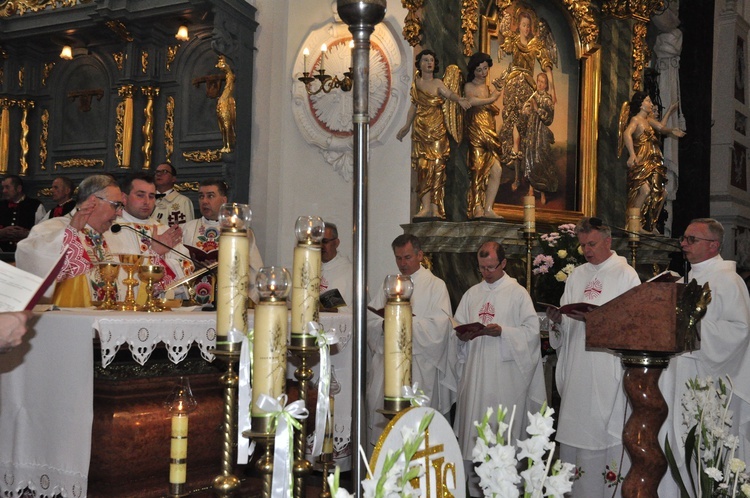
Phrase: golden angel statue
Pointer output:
(484, 143)
(432, 114)
(527, 40)
(226, 109)
(647, 175)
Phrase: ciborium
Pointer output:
(109, 271)
(150, 274)
(130, 263)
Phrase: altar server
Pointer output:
(79, 235)
(499, 363)
(590, 422)
(431, 328)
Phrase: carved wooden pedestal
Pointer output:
(640, 434)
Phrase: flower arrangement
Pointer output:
(709, 446)
(499, 461)
(561, 253)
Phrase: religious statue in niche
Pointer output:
(226, 109)
(528, 40)
(484, 143)
(647, 175)
(538, 165)
(432, 114)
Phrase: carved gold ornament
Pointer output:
(583, 16)
(171, 54)
(124, 126)
(25, 105)
(469, 24)
(169, 130)
(203, 156)
(21, 75)
(44, 192)
(20, 7)
(641, 10)
(120, 58)
(144, 61)
(641, 54)
(46, 71)
(5, 104)
(43, 137)
(186, 186)
(412, 24)
(148, 125)
(120, 30)
(79, 162)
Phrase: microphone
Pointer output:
(116, 227)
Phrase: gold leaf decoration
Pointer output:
(412, 24)
(79, 162)
(201, 156)
(469, 24)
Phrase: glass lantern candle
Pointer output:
(179, 404)
(309, 231)
(397, 341)
(269, 348)
(233, 277)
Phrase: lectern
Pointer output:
(646, 326)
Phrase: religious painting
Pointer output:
(548, 73)
(740, 123)
(738, 175)
(739, 71)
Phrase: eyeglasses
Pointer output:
(483, 269)
(115, 204)
(691, 239)
(162, 172)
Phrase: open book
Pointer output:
(331, 299)
(21, 290)
(570, 308)
(469, 327)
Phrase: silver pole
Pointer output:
(361, 16)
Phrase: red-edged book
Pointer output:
(21, 290)
(468, 327)
(570, 308)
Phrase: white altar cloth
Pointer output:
(47, 388)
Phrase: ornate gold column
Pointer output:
(25, 105)
(43, 137)
(124, 126)
(148, 126)
(169, 130)
(5, 104)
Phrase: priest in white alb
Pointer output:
(336, 269)
(431, 328)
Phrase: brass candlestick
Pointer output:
(130, 263)
(264, 439)
(226, 483)
(303, 374)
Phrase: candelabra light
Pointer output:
(179, 404)
(327, 83)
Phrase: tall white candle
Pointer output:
(269, 351)
(305, 53)
(323, 50)
(397, 348)
(232, 287)
(529, 214)
(178, 449)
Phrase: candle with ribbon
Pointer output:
(179, 403)
(270, 334)
(323, 408)
(397, 340)
(233, 277)
(309, 231)
(529, 214)
(634, 223)
(285, 418)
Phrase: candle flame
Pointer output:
(324, 48)
(305, 52)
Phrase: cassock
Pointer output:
(337, 274)
(431, 328)
(503, 370)
(173, 208)
(593, 402)
(127, 241)
(24, 213)
(723, 351)
(79, 282)
(60, 210)
(203, 235)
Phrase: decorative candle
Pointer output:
(305, 53)
(323, 50)
(269, 348)
(306, 277)
(233, 277)
(529, 214)
(397, 340)
(179, 403)
(634, 223)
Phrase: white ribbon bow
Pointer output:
(323, 408)
(415, 395)
(283, 457)
(245, 447)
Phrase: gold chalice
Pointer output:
(150, 274)
(130, 263)
(109, 271)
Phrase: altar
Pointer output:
(47, 395)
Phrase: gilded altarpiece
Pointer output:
(132, 95)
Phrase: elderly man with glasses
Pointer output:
(724, 341)
(79, 235)
(499, 359)
(592, 404)
(172, 208)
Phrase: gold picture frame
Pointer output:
(573, 21)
